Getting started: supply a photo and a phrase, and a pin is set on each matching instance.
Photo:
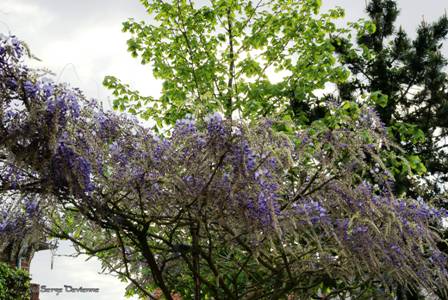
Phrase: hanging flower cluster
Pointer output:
(244, 209)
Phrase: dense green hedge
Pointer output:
(14, 284)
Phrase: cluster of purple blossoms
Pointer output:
(312, 210)
(19, 217)
(185, 126)
(215, 125)
(10, 48)
(246, 177)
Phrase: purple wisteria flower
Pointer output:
(245, 193)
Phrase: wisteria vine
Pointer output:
(246, 211)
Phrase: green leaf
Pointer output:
(379, 99)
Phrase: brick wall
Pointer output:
(35, 291)
(25, 265)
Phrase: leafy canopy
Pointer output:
(245, 58)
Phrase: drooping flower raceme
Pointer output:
(242, 208)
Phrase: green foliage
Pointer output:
(223, 55)
(14, 283)
(406, 80)
(251, 58)
(406, 132)
(379, 99)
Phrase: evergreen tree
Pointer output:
(407, 78)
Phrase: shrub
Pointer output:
(14, 283)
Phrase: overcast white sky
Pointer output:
(81, 41)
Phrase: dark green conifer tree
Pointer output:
(411, 75)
